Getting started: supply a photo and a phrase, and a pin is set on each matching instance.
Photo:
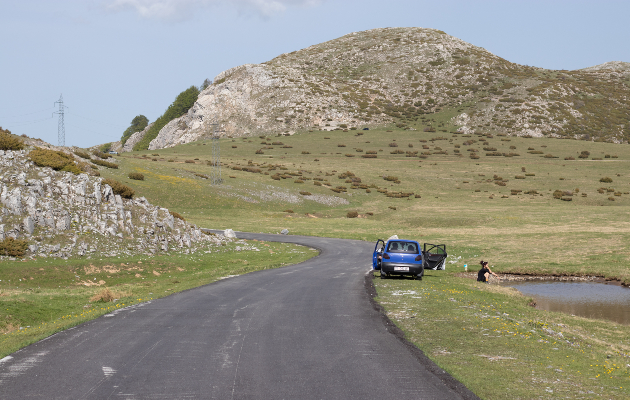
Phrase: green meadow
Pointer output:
(534, 211)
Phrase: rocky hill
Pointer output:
(402, 75)
(61, 214)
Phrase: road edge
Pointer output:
(431, 366)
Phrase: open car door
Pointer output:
(434, 256)
(378, 250)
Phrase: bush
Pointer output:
(102, 155)
(10, 142)
(176, 215)
(57, 160)
(83, 154)
(136, 176)
(13, 247)
(104, 163)
(606, 179)
(305, 193)
(119, 188)
(352, 214)
(190, 161)
(393, 144)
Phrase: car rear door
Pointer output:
(434, 256)
(378, 250)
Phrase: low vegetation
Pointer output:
(57, 160)
(9, 141)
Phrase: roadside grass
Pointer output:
(488, 338)
(43, 296)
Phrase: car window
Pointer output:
(402, 247)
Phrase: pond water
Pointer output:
(586, 299)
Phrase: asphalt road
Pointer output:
(307, 331)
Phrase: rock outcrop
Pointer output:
(135, 138)
(65, 215)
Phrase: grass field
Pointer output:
(499, 347)
(527, 205)
(494, 207)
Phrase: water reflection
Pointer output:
(590, 300)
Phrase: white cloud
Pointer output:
(182, 9)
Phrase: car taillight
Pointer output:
(419, 258)
(386, 256)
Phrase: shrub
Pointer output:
(176, 215)
(259, 151)
(136, 176)
(104, 163)
(57, 160)
(341, 145)
(352, 214)
(82, 154)
(606, 179)
(172, 160)
(306, 152)
(13, 247)
(393, 144)
(190, 161)
(102, 155)
(10, 142)
(369, 156)
(305, 193)
(119, 188)
(519, 177)
(289, 211)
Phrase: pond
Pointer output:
(586, 299)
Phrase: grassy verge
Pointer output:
(488, 337)
(44, 296)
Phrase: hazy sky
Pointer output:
(115, 59)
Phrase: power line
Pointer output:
(30, 113)
(93, 120)
(78, 127)
(11, 124)
(25, 106)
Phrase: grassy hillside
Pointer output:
(527, 204)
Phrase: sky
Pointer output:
(114, 59)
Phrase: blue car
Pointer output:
(406, 257)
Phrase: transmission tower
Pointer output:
(61, 129)
(216, 154)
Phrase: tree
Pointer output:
(207, 82)
(137, 124)
(180, 106)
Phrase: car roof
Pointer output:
(402, 240)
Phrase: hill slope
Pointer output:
(397, 75)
